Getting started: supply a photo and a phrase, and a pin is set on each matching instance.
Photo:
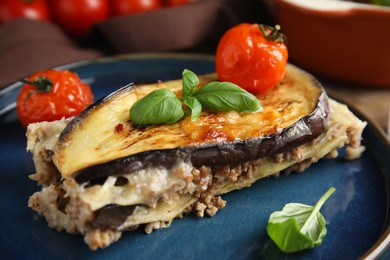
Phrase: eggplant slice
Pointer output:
(93, 136)
(101, 175)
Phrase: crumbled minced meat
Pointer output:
(208, 204)
(101, 238)
(156, 225)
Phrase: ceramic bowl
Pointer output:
(341, 40)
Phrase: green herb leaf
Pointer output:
(164, 107)
(226, 96)
(158, 107)
(298, 226)
(195, 107)
(190, 82)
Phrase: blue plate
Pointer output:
(357, 213)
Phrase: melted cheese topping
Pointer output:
(282, 107)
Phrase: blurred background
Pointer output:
(345, 46)
(185, 26)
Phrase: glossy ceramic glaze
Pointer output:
(338, 39)
(356, 213)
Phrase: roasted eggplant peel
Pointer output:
(101, 175)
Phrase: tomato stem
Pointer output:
(273, 33)
(42, 85)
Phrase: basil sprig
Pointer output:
(194, 105)
(298, 226)
(190, 82)
(226, 96)
(164, 107)
(158, 107)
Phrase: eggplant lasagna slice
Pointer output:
(101, 175)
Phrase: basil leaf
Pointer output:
(158, 107)
(298, 226)
(226, 96)
(190, 82)
(164, 107)
(195, 106)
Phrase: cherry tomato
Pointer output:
(77, 17)
(50, 95)
(32, 9)
(126, 7)
(178, 2)
(252, 56)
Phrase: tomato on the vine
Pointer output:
(126, 7)
(32, 9)
(78, 16)
(50, 95)
(252, 56)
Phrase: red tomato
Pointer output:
(78, 16)
(178, 2)
(252, 56)
(126, 7)
(50, 95)
(33, 9)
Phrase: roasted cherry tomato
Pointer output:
(32, 9)
(78, 16)
(252, 56)
(126, 7)
(50, 95)
(178, 2)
